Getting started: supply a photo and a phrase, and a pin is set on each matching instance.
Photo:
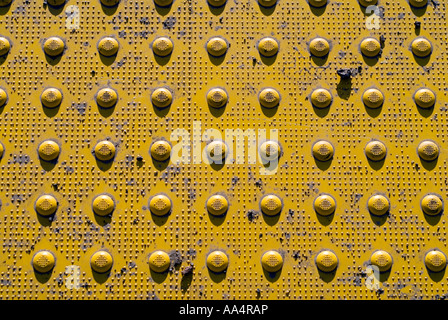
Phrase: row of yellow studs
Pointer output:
(104, 205)
(376, 150)
(373, 98)
(218, 205)
(217, 47)
(217, 150)
(313, 3)
(218, 261)
(102, 261)
(369, 47)
(162, 46)
(221, 3)
(327, 261)
(218, 98)
(269, 150)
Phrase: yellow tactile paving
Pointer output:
(134, 139)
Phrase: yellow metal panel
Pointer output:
(131, 118)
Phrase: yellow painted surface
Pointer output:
(188, 232)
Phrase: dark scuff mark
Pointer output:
(16, 197)
(235, 180)
(188, 270)
(144, 20)
(80, 107)
(20, 159)
(121, 63)
(252, 215)
(347, 73)
(169, 23)
(356, 197)
(382, 40)
(175, 260)
(191, 252)
(435, 3)
(129, 159)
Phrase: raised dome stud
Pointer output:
(421, 47)
(271, 205)
(106, 98)
(103, 205)
(5, 46)
(323, 150)
(326, 261)
(319, 47)
(160, 150)
(51, 98)
(216, 151)
(43, 261)
(4, 3)
(48, 150)
(375, 150)
(431, 204)
(269, 98)
(55, 3)
(162, 46)
(370, 47)
(54, 46)
(378, 205)
(321, 98)
(428, 150)
(382, 259)
(3, 97)
(272, 261)
(46, 205)
(104, 150)
(317, 3)
(216, 3)
(163, 3)
(270, 150)
(216, 46)
(101, 261)
(217, 261)
(217, 98)
(373, 98)
(268, 47)
(418, 3)
(161, 97)
(424, 98)
(109, 3)
(217, 205)
(267, 3)
(324, 205)
(159, 261)
(366, 3)
(435, 260)
(160, 205)
(108, 46)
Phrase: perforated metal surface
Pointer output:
(131, 233)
